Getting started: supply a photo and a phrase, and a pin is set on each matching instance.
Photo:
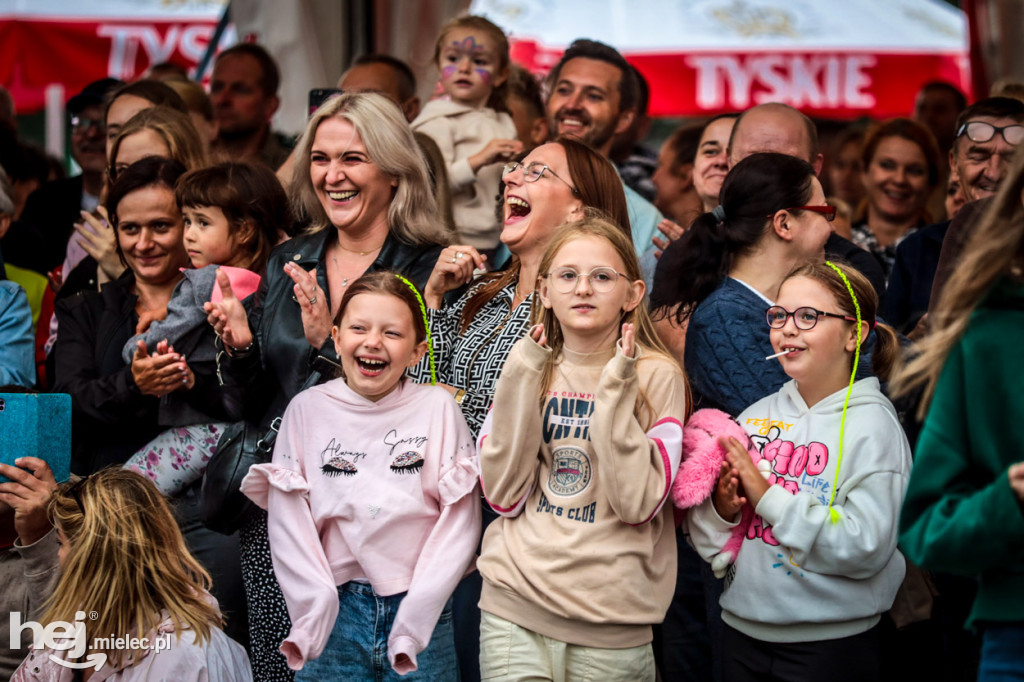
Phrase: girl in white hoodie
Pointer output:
(472, 128)
(819, 564)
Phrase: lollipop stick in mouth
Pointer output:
(785, 352)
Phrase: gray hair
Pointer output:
(413, 215)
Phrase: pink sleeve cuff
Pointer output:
(402, 652)
(262, 477)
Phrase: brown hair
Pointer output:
(126, 561)
(887, 346)
(597, 185)
(245, 193)
(477, 23)
(596, 225)
(908, 130)
(994, 250)
(387, 283)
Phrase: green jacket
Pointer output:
(960, 514)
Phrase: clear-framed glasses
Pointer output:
(804, 318)
(532, 172)
(602, 280)
(828, 211)
(80, 124)
(980, 131)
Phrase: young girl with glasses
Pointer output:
(577, 456)
(472, 127)
(819, 563)
(372, 515)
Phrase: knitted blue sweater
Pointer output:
(726, 344)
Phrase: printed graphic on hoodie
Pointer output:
(795, 468)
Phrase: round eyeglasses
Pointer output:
(980, 131)
(602, 280)
(532, 172)
(804, 318)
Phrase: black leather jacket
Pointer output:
(285, 359)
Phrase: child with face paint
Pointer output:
(472, 127)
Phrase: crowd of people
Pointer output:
(545, 403)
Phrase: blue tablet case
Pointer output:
(36, 425)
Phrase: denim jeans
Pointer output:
(1002, 660)
(358, 646)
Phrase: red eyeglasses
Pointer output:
(828, 211)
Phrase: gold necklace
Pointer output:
(361, 253)
(337, 265)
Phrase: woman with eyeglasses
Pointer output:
(473, 335)
(727, 268)
(901, 169)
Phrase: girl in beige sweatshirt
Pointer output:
(578, 456)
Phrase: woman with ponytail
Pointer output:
(721, 275)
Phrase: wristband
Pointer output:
(460, 395)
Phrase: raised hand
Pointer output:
(494, 151)
(228, 316)
(100, 242)
(538, 335)
(751, 478)
(28, 493)
(627, 341)
(316, 314)
(454, 268)
(727, 499)
(671, 231)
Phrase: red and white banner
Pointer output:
(701, 57)
(40, 48)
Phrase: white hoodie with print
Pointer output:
(800, 575)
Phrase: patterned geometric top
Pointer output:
(886, 255)
(473, 359)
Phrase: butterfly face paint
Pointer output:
(469, 67)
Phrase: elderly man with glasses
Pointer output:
(987, 134)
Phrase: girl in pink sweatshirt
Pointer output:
(372, 514)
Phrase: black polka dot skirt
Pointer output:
(268, 614)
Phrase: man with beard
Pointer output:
(593, 97)
(243, 90)
(51, 211)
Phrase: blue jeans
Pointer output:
(358, 646)
(1001, 657)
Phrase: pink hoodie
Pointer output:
(375, 491)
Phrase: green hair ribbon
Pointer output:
(426, 325)
(833, 514)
